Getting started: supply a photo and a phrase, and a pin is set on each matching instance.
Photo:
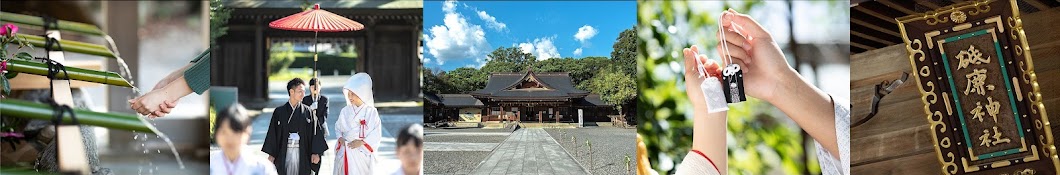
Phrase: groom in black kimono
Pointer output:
(294, 142)
(319, 105)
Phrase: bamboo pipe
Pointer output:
(37, 68)
(32, 110)
(39, 22)
(71, 46)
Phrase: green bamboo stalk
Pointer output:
(95, 76)
(32, 110)
(15, 170)
(71, 46)
(71, 42)
(39, 22)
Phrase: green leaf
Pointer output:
(24, 56)
(6, 84)
(10, 74)
(23, 43)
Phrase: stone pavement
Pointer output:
(529, 151)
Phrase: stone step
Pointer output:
(492, 125)
(548, 125)
(467, 124)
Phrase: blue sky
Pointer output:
(461, 33)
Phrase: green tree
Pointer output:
(555, 65)
(625, 51)
(589, 67)
(218, 21)
(498, 66)
(614, 86)
(282, 56)
(580, 70)
(513, 55)
(434, 83)
(465, 79)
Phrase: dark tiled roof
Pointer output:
(459, 100)
(591, 100)
(557, 85)
(432, 98)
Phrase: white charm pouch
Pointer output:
(712, 90)
(714, 95)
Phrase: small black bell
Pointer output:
(732, 78)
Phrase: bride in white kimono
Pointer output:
(358, 128)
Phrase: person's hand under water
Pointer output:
(163, 97)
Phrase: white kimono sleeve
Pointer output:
(695, 163)
(344, 125)
(829, 164)
(374, 132)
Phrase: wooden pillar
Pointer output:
(123, 29)
(539, 114)
(261, 90)
(416, 38)
(70, 150)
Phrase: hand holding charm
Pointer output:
(711, 87)
(733, 75)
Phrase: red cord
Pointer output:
(708, 160)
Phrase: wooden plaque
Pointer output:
(976, 78)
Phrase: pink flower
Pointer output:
(12, 134)
(9, 27)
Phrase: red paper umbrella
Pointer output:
(316, 20)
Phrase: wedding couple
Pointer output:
(296, 137)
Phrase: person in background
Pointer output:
(232, 131)
(410, 150)
(318, 104)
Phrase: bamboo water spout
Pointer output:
(33, 110)
(39, 22)
(37, 68)
(72, 46)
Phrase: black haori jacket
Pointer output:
(285, 121)
(322, 115)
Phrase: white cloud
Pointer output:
(542, 48)
(456, 38)
(492, 21)
(585, 33)
(526, 47)
(449, 6)
(480, 62)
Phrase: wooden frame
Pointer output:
(965, 56)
